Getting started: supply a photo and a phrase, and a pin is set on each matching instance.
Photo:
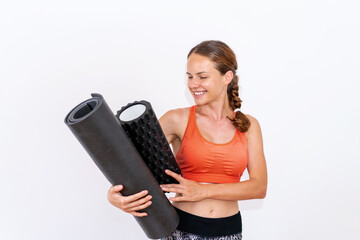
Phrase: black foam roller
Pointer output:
(142, 126)
(100, 133)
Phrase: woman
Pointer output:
(213, 142)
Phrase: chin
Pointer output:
(200, 102)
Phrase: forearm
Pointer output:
(249, 189)
(190, 190)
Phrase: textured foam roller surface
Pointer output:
(101, 135)
(142, 126)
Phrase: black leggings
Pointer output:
(196, 227)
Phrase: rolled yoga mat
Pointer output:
(100, 133)
(142, 127)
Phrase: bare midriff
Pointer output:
(209, 208)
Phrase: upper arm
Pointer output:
(171, 123)
(256, 164)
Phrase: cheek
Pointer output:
(211, 87)
(207, 84)
(188, 84)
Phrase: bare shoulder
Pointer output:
(174, 123)
(175, 116)
(252, 120)
(254, 129)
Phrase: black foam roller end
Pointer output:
(142, 126)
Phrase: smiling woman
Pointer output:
(214, 142)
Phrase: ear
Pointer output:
(229, 75)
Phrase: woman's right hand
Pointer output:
(130, 204)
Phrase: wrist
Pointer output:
(206, 191)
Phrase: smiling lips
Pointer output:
(199, 93)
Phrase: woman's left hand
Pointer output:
(188, 190)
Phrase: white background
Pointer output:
(299, 76)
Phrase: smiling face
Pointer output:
(205, 82)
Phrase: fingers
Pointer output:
(137, 208)
(136, 196)
(170, 185)
(114, 193)
(178, 177)
(136, 204)
(177, 199)
(129, 204)
(138, 214)
(131, 198)
(115, 189)
(175, 188)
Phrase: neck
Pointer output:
(217, 110)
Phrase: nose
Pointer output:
(193, 83)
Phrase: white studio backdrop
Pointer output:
(298, 67)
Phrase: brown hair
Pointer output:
(225, 60)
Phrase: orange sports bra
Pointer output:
(205, 161)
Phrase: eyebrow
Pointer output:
(197, 73)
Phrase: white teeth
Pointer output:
(199, 93)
